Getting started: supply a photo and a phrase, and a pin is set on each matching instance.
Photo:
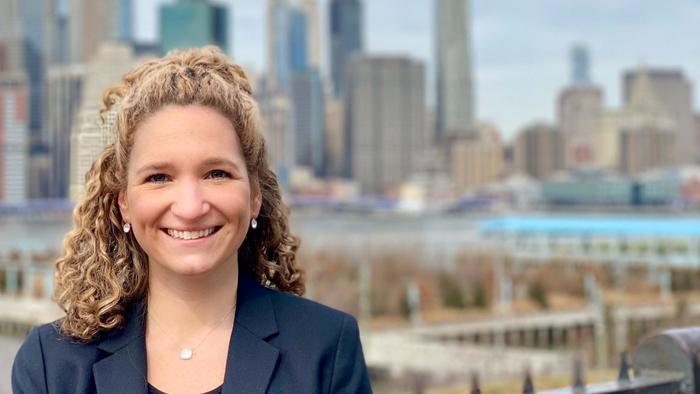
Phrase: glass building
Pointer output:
(193, 23)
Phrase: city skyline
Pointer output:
(521, 51)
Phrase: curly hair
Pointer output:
(103, 269)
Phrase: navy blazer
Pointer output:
(280, 343)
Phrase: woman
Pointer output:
(179, 275)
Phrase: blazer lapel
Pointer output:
(251, 359)
(123, 370)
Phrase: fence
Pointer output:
(665, 363)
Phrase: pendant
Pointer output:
(185, 353)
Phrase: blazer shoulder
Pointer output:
(332, 335)
(304, 310)
(28, 368)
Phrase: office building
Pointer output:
(580, 65)
(14, 144)
(345, 39)
(385, 121)
(674, 93)
(477, 162)
(89, 135)
(193, 23)
(453, 63)
(313, 28)
(578, 112)
(64, 85)
(92, 23)
(308, 113)
(538, 151)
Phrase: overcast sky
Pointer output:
(520, 48)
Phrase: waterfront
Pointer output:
(435, 245)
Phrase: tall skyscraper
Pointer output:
(674, 93)
(298, 40)
(125, 21)
(193, 23)
(306, 93)
(580, 65)
(345, 39)
(276, 115)
(14, 124)
(578, 111)
(34, 15)
(385, 121)
(93, 22)
(64, 85)
(313, 28)
(453, 62)
(89, 136)
(11, 38)
(278, 56)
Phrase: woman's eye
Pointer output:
(218, 174)
(157, 178)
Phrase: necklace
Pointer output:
(186, 353)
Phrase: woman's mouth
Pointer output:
(189, 235)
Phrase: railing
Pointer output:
(665, 363)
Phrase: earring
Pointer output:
(126, 227)
(253, 223)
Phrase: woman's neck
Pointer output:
(190, 304)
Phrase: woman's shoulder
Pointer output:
(295, 311)
(47, 353)
(50, 339)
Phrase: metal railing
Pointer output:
(664, 363)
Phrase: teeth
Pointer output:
(190, 234)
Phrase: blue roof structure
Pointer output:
(628, 225)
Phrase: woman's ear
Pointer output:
(123, 207)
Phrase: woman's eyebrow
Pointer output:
(157, 166)
(214, 161)
(219, 161)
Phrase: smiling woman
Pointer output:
(179, 275)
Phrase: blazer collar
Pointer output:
(251, 359)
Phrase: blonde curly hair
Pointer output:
(103, 270)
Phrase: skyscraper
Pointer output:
(313, 28)
(64, 86)
(385, 121)
(93, 22)
(580, 65)
(89, 136)
(298, 40)
(674, 93)
(11, 58)
(193, 23)
(278, 56)
(345, 39)
(453, 61)
(14, 123)
(308, 116)
(538, 151)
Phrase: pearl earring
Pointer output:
(253, 223)
(127, 227)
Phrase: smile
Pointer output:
(186, 235)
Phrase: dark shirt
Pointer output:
(153, 390)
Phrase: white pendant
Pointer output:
(186, 353)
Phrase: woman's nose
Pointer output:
(190, 201)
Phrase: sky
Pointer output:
(520, 48)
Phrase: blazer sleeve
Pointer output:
(349, 368)
(28, 368)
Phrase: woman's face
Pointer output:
(188, 197)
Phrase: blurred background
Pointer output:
(491, 187)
